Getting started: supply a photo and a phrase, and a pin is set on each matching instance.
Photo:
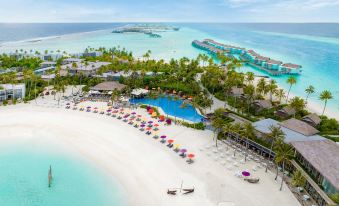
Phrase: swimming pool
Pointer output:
(172, 107)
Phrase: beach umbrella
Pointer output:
(245, 173)
(156, 125)
(154, 114)
(142, 125)
(88, 107)
(176, 146)
(170, 141)
(108, 110)
(191, 156)
(163, 137)
(138, 115)
(133, 113)
(183, 150)
(150, 122)
(148, 128)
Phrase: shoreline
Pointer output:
(144, 168)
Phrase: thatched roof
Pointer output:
(323, 156)
(265, 104)
(288, 110)
(108, 86)
(299, 126)
(314, 118)
(237, 91)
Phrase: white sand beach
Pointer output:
(143, 166)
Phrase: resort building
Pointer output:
(237, 92)
(12, 91)
(315, 156)
(71, 60)
(47, 64)
(271, 66)
(260, 105)
(104, 90)
(312, 119)
(285, 112)
(88, 69)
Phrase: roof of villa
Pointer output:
(272, 61)
(108, 86)
(266, 104)
(313, 117)
(288, 110)
(263, 126)
(299, 126)
(237, 91)
(290, 65)
(323, 156)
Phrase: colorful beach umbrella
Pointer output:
(133, 113)
(148, 128)
(142, 125)
(183, 150)
(163, 137)
(156, 125)
(170, 141)
(191, 156)
(176, 146)
(245, 173)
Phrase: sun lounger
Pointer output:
(188, 191)
(171, 192)
(148, 132)
(190, 161)
(252, 180)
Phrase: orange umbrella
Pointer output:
(170, 141)
(190, 156)
(156, 125)
(148, 128)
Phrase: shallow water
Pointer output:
(23, 180)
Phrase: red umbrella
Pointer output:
(138, 115)
(190, 156)
(148, 128)
(156, 125)
(170, 141)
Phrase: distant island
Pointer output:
(151, 30)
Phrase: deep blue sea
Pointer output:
(315, 46)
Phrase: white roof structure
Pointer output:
(81, 66)
(140, 91)
(12, 86)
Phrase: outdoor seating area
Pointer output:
(148, 124)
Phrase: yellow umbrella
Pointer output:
(176, 146)
(154, 114)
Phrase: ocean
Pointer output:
(24, 179)
(314, 46)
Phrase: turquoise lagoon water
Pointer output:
(314, 46)
(23, 180)
(172, 107)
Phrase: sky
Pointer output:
(169, 11)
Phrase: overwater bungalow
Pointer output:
(271, 66)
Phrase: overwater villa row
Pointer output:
(252, 58)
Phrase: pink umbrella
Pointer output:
(245, 173)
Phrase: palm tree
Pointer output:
(275, 134)
(249, 78)
(261, 86)
(217, 124)
(272, 88)
(298, 179)
(298, 104)
(248, 133)
(280, 93)
(325, 96)
(284, 152)
(291, 81)
(309, 90)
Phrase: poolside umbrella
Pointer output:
(245, 173)
(191, 156)
(183, 151)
